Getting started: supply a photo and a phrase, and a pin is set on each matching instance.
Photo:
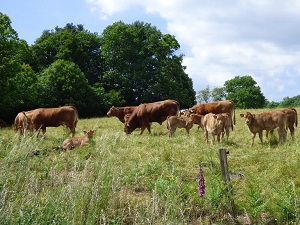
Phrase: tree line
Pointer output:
(245, 93)
(127, 64)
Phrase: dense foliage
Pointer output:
(128, 64)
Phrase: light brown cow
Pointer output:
(213, 124)
(226, 106)
(146, 113)
(54, 117)
(266, 121)
(174, 122)
(120, 112)
(71, 143)
(21, 123)
(292, 119)
(226, 125)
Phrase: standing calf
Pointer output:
(213, 124)
(71, 143)
(181, 122)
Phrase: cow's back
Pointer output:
(54, 117)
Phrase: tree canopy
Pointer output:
(244, 92)
(141, 63)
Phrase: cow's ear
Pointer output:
(241, 115)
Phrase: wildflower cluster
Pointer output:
(201, 184)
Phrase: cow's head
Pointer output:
(127, 128)
(219, 120)
(248, 117)
(111, 110)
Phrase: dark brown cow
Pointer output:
(213, 124)
(292, 119)
(226, 106)
(174, 122)
(145, 114)
(54, 117)
(120, 112)
(266, 121)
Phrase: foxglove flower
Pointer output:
(201, 182)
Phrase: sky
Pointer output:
(220, 39)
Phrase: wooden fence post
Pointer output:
(226, 177)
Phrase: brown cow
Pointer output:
(71, 143)
(292, 119)
(174, 122)
(54, 117)
(213, 124)
(266, 121)
(120, 112)
(226, 106)
(146, 113)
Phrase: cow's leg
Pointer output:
(212, 138)
(281, 134)
(253, 137)
(149, 128)
(44, 132)
(206, 136)
(260, 135)
(292, 131)
(227, 132)
(72, 131)
(218, 137)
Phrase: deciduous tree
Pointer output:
(244, 92)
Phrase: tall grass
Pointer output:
(146, 179)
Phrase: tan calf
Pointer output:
(174, 122)
(266, 121)
(227, 125)
(71, 143)
(213, 124)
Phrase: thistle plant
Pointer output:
(201, 183)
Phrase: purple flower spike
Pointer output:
(201, 184)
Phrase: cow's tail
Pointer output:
(233, 114)
(296, 119)
(76, 116)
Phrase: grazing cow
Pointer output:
(226, 106)
(145, 114)
(120, 112)
(71, 143)
(266, 121)
(213, 124)
(292, 119)
(54, 117)
(21, 123)
(174, 122)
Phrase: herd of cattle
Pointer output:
(215, 118)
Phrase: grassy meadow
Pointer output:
(147, 179)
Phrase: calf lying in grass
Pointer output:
(71, 143)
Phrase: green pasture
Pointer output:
(147, 179)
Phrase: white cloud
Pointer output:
(224, 39)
